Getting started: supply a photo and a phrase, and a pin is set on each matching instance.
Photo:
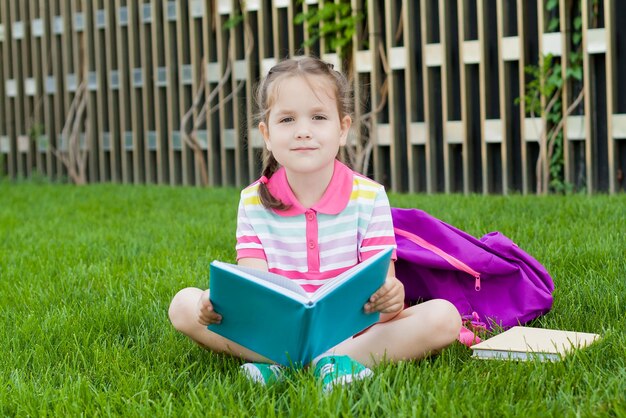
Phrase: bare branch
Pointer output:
(72, 157)
(250, 37)
(542, 170)
(400, 29)
(555, 97)
(359, 155)
(81, 154)
(559, 127)
(191, 137)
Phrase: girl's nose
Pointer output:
(303, 132)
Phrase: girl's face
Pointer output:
(304, 130)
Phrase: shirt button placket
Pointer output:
(313, 258)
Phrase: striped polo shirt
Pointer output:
(350, 223)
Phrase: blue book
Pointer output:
(273, 316)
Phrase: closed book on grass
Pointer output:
(526, 343)
(273, 316)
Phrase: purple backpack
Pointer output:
(490, 281)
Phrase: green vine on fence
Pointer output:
(335, 23)
(543, 97)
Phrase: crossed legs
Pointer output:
(415, 333)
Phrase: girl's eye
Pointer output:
(319, 117)
(286, 120)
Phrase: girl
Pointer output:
(309, 218)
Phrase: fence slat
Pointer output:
(436, 85)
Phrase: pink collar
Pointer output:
(334, 200)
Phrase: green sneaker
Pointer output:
(339, 370)
(263, 373)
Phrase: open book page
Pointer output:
(332, 284)
(273, 278)
(284, 283)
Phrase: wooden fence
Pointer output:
(436, 82)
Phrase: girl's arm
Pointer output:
(255, 263)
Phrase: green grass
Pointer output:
(86, 275)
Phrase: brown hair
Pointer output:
(302, 67)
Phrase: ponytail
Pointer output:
(270, 166)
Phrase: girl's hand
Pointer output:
(388, 299)
(206, 314)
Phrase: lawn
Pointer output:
(86, 275)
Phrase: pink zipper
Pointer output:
(454, 262)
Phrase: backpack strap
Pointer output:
(454, 262)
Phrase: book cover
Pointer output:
(526, 343)
(273, 316)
